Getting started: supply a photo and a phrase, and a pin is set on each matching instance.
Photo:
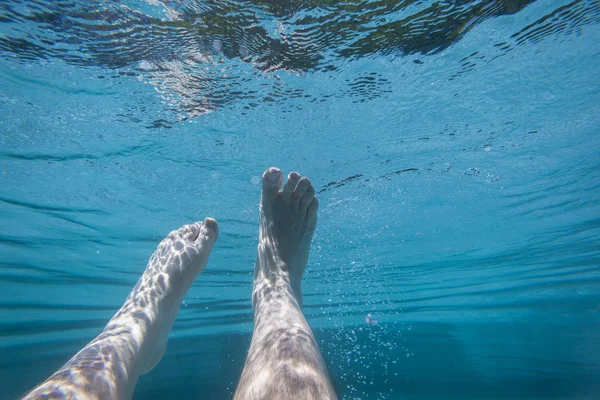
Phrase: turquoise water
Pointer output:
(454, 147)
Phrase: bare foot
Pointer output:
(284, 361)
(288, 218)
(180, 257)
(134, 340)
(171, 270)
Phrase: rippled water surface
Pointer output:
(455, 149)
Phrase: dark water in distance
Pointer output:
(454, 146)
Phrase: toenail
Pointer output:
(210, 223)
(273, 173)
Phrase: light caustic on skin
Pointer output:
(284, 361)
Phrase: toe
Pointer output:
(193, 231)
(311, 212)
(179, 233)
(212, 227)
(184, 230)
(209, 231)
(301, 189)
(307, 199)
(173, 235)
(272, 180)
(290, 185)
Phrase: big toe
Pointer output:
(201, 233)
(209, 230)
(272, 180)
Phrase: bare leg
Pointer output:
(135, 339)
(284, 361)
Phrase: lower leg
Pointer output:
(135, 339)
(284, 361)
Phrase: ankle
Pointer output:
(275, 291)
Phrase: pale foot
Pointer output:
(284, 361)
(135, 339)
(172, 269)
(179, 258)
(288, 218)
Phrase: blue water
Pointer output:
(454, 147)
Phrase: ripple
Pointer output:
(199, 54)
